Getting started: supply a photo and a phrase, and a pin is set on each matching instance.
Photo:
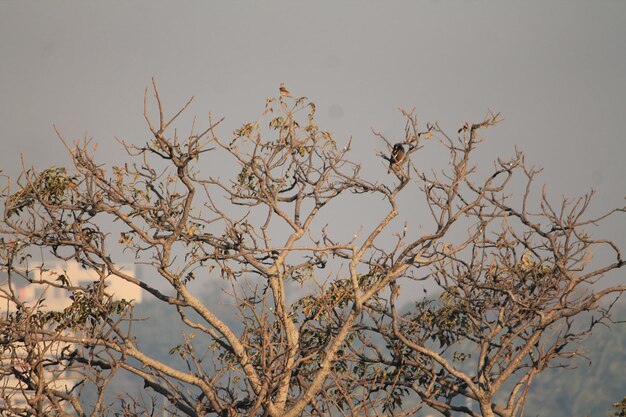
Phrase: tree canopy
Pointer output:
(313, 324)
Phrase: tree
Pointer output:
(318, 331)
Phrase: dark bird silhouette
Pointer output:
(397, 157)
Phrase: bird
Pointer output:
(397, 157)
(283, 90)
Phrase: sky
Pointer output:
(556, 71)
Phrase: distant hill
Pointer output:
(595, 384)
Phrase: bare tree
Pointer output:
(509, 294)
(318, 331)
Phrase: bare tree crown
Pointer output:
(319, 329)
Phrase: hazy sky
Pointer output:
(556, 71)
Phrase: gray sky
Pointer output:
(555, 70)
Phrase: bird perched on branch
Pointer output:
(283, 91)
(397, 157)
